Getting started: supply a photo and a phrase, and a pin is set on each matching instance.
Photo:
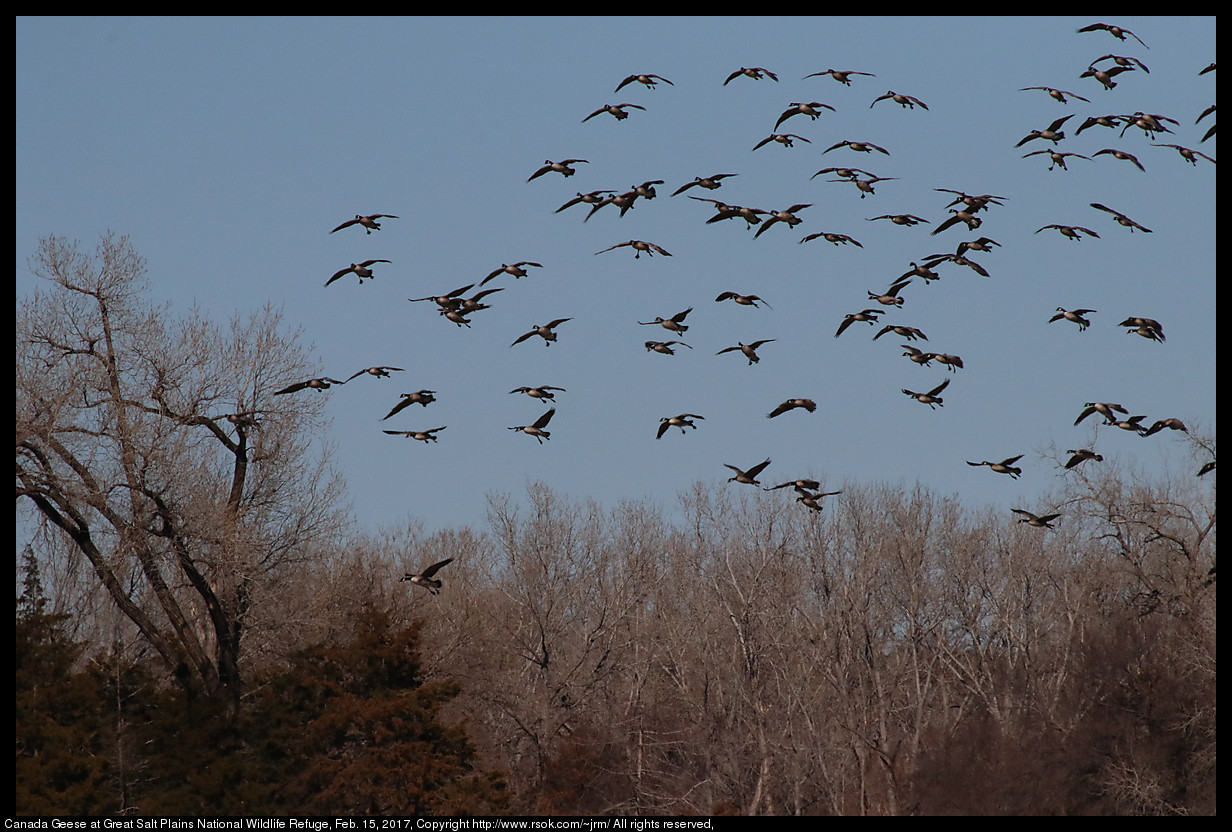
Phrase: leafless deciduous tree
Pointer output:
(156, 447)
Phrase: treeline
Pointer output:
(200, 631)
(894, 654)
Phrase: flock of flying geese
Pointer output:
(965, 210)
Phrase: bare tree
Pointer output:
(156, 447)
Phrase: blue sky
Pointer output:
(228, 148)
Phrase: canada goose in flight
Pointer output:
(1137, 324)
(1040, 522)
(707, 182)
(537, 428)
(1081, 455)
(797, 108)
(617, 110)
(649, 80)
(1074, 315)
(360, 270)
(623, 201)
(472, 304)
(982, 244)
(1070, 231)
(1052, 132)
(425, 579)
(976, 202)
(1116, 31)
(748, 477)
(646, 189)
(542, 392)
(799, 485)
(917, 355)
(844, 173)
(1099, 121)
(869, 315)
(1058, 95)
(1106, 409)
(749, 350)
(456, 315)
(369, 222)
(1172, 423)
(960, 215)
(743, 300)
(561, 167)
(840, 75)
(859, 147)
(447, 301)
(904, 101)
(1122, 155)
(664, 347)
(514, 269)
(1149, 123)
(811, 500)
(1131, 424)
(728, 212)
(674, 323)
(377, 372)
(591, 198)
(545, 332)
(792, 404)
(788, 216)
(1057, 157)
(1124, 60)
(865, 186)
(890, 296)
(322, 383)
(421, 435)
(639, 246)
(930, 398)
(784, 139)
(908, 332)
(1189, 155)
(1206, 468)
(950, 361)
(830, 237)
(958, 260)
(684, 420)
(1005, 466)
(924, 272)
(1105, 76)
(423, 397)
(754, 72)
(899, 219)
(1121, 218)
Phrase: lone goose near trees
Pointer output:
(322, 383)
(930, 398)
(684, 420)
(1039, 521)
(545, 332)
(360, 270)
(421, 435)
(368, 222)
(561, 167)
(422, 397)
(1074, 315)
(536, 429)
(792, 404)
(1081, 455)
(425, 579)
(748, 477)
(749, 350)
(1005, 466)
